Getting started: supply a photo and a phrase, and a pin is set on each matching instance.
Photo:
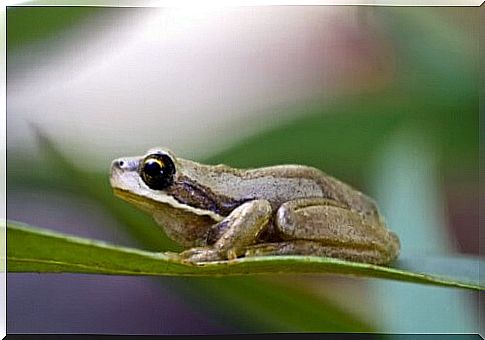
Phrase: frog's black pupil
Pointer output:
(157, 171)
(152, 168)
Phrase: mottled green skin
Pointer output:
(285, 209)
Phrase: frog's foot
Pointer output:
(315, 248)
(201, 254)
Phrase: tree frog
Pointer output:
(222, 213)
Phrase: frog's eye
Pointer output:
(157, 171)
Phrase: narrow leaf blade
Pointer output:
(38, 250)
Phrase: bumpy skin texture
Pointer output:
(288, 209)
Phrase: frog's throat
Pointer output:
(151, 205)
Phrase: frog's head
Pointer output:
(142, 180)
(155, 180)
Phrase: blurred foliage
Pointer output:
(435, 87)
(36, 24)
(343, 138)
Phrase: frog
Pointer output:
(221, 213)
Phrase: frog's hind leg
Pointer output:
(324, 227)
(315, 248)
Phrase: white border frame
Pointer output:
(142, 3)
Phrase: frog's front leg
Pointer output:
(234, 233)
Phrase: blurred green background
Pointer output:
(383, 98)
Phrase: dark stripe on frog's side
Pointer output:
(193, 194)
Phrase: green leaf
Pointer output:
(38, 250)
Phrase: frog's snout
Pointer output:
(117, 168)
(123, 165)
(116, 171)
(124, 173)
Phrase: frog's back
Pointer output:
(307, 182)
(282, 183)
(277, 184)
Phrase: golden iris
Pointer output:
(157, 171)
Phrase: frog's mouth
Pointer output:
(151, 205)
(143, 203)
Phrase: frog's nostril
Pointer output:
(118, 164)
(125, 164)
